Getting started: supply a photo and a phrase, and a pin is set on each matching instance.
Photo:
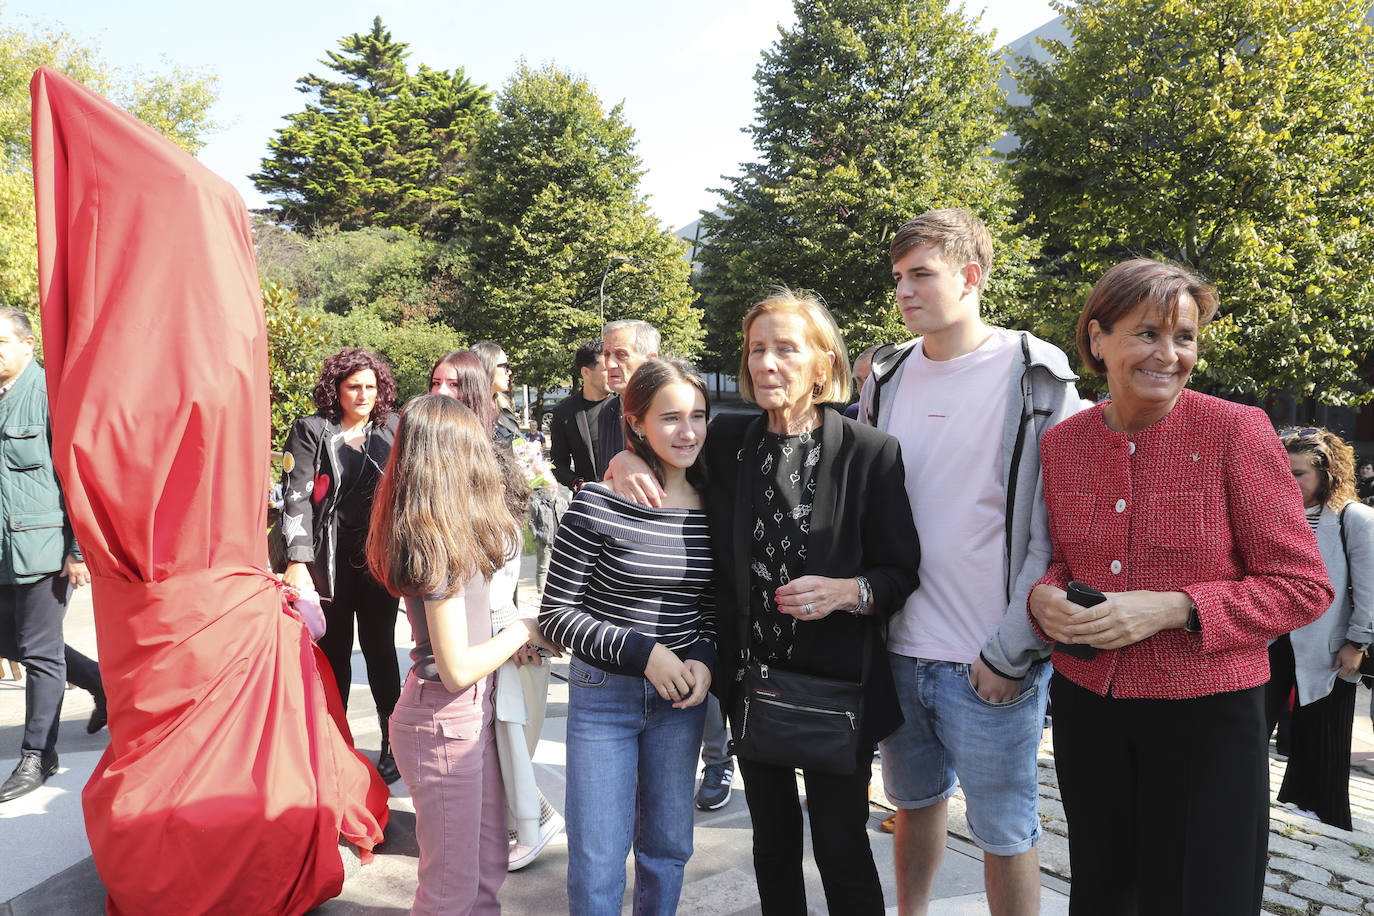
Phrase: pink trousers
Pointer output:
(445, 748)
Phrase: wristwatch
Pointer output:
(1362, 646)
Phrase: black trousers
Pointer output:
(31, 632)
(83, 672)
(838, 809)
(1167, 802)
(357, 594)
(1318, 773)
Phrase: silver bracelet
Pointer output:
(864, 595)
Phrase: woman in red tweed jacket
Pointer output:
(1183, 510)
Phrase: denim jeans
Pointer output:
(952, 736)
(631, 767)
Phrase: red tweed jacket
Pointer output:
(1202, 502)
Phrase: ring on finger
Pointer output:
(809, 609)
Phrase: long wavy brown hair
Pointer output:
(1333, 459)
(439, 517)
(473, 382)
(473, 388)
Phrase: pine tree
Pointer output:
(375, 146)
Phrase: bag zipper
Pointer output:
(801, 708)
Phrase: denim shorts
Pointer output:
(952, 736)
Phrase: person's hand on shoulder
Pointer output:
(630, 478)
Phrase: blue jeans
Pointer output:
(626, 743)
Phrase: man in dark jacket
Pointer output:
(575, 431)
(39, 559)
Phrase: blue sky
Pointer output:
(684, 71)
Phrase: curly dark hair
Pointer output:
(339, 367)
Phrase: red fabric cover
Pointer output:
(227, 782)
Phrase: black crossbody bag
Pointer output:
(785, 718)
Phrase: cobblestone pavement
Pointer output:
(1314, 869)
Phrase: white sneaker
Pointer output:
(520, 856)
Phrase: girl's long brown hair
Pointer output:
(439, 516)
(649, 379)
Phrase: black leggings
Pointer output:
(357, 594)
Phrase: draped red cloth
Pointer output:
(227, 782)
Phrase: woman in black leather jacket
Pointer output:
(332, 463)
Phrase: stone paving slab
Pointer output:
(1315, 870)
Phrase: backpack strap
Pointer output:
(885, 361)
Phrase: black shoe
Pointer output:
(386, 766)
(33, 770)
(716, 781)
(100, 717)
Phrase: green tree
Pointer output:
(868, 113)
(373, 288)
(410, 347)
(556, 206)
(295, 348)
(1233, 136)
(176, 102)
(375, 145)
(340, 271)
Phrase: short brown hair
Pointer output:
(1132, 283)
(1332, 458)
(960, 237)
(821, 333)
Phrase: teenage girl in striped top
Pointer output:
(628, 594)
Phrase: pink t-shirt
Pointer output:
(948, 415)
(477, 604)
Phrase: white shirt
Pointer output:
(948, 416)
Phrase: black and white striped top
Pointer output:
(624, 576)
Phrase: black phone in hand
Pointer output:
(1083, 596)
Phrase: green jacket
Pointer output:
(36, 536)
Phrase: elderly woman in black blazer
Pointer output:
(813, 540)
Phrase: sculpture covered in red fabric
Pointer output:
(228, 780)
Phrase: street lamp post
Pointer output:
(601, 300)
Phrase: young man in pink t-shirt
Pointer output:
(968, 402)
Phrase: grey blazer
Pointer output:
(1315, 645)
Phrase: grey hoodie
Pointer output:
(1042, 394)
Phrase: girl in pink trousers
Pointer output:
(440, 529)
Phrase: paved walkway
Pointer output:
(1314, 870)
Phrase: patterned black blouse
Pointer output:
(785, 489)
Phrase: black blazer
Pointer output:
(610, 433)
(860, 525)
(571, 449)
